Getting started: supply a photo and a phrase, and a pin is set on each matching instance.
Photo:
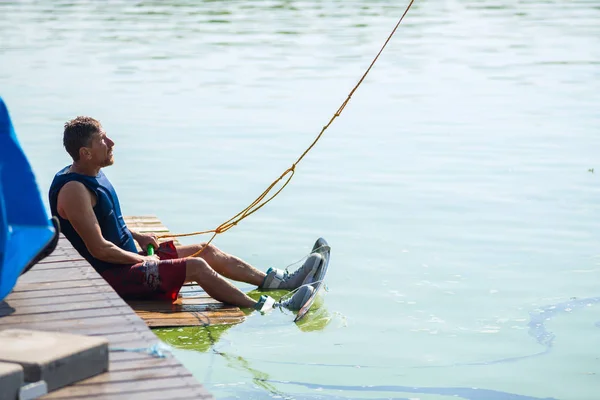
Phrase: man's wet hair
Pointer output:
(79, 133)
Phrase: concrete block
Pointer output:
(59, 359)
(11, 379)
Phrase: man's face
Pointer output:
(101, 149)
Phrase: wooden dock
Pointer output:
(193, 308)
(63, 293)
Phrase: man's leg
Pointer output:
(198, 269)
(234, 268)
(225, 264)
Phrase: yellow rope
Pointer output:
(289, 173)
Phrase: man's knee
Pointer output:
(210, 252)
(198, 269)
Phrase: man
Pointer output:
(89, 212)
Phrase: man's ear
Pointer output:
(85, 153)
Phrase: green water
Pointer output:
(458, 190)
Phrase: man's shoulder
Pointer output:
(73, 185)
(72, 190)
(74, 194)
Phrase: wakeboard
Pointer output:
(322, 247)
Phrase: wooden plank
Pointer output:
(61, 258)
(141, 385)
(68, 306)
(189, 319)
(68, 291)
(154, 394)
(199, 298)
(119, 357)
(82, 272)
(63, 249)
(59, 264)
(199, 295)
(57, 258)
(64, 258)
(25, 301)
(172, 394)
(162, 314)
(120, 338)
(118, 327)
(99, 325)
(148, 224)
(92, 283)
(17, 319)
(143, 363)
(157, 372)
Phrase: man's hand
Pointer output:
(145, 239)
(153, 257)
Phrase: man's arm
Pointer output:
(75, 205)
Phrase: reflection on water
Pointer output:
(204, 338)
(192, 338)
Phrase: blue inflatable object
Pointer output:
(26, 233)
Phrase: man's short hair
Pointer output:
(78, 133)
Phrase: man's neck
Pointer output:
(84, 169)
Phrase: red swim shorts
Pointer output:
(158, 280)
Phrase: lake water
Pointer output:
(459, 190)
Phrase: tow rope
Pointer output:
(288, 174)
